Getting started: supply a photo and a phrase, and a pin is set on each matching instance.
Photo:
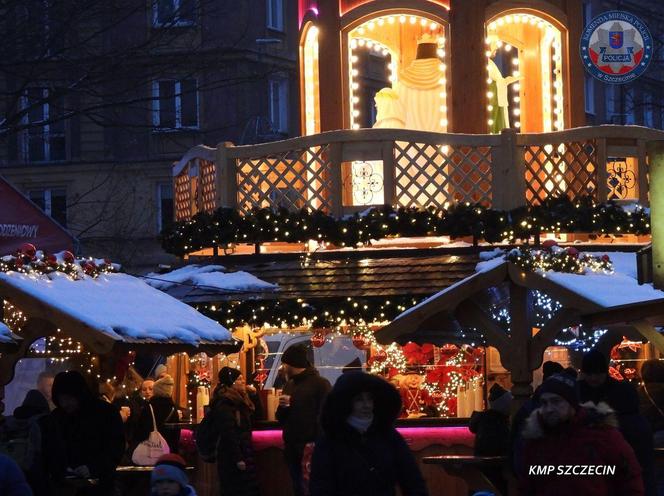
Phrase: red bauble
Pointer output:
(361, 342)
(68, 257)
(52, 260)
(28, 249)
(572, 252)
(380, 355)
(317, 339)
(549, 243)
(89, 267)
(605, 258)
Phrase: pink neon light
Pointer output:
(417, 438)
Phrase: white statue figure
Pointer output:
(499, 85)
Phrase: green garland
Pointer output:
(226, 226)
(320, 313)
(557, 259)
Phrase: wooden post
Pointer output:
(226, 180)
(602, 173)
(330, 76)
(519, 362)
(336, 182)
(508, 188)
(389, 166)
(468, 79)
(642, 177)
(575, 114)
(656, 155)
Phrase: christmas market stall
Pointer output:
(68, 313)
(528, 300)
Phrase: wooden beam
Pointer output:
(470, 314)
(445, 301)
(545, 337)
(567, 297)
(647, 310)
(650, 333)
(518, 361)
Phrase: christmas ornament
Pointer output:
(28, 249)
(318, 339)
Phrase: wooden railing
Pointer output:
(344, 171)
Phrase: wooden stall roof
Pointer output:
(368, 274)
(450, 305)
(47, 312)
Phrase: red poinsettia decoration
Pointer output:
(418, 355)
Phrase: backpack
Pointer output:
(20, 439)
(207, 438)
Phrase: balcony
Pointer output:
(342, 172)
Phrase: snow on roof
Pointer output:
(609, 290)
(120, 305)
(209, 277)
(5, 334)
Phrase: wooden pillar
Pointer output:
(469, 73)
(331, 79)
(656, 162)
(520, 337)
(575, 106)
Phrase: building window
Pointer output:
(175, 104)
(275, 14)
(648, 114)
(165, 213)
(53, 201)
(612, 107)
(278, 92)
(589, 90)
(174, 13)
(43, 140)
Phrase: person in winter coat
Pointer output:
(165, 412)
(299, 409)
(651, 403)
(594, 384)
(231, 410)
(492, 431)
(360, 452)
(12, 480)
(169, 477)
(83, 437)
(638, 434)
(563, 434)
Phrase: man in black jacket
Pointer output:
(299, 408)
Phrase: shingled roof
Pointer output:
(365, 274)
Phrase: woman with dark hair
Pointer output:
(360, 451)
(231, 412)
(83, 438)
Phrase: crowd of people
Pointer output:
(342, 440)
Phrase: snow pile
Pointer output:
(490, 255)
(619, 288)
(209, 277)
(5, 334)
(120, 306)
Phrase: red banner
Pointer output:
(21, 221)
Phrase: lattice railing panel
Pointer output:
(208, 185)
(292, 180)
(183, 195)
(435, 175)
(562, 169)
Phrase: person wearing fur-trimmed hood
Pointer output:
(563, 434)
(360, 451)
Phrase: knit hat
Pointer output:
(164, 387)
(562, 385)
(549, 368)
(594, 362)
(500, 399)
(296, 356)
(227, 376)
(170, 467)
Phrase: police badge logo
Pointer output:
(616, 47)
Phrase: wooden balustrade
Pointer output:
(415, 169)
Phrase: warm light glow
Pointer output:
(311, 82)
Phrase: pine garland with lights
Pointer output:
(226, 226)
(561, 260)
(28, 260)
